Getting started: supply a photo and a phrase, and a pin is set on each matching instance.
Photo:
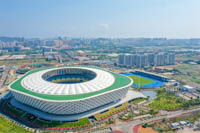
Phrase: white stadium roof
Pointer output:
(34, 82)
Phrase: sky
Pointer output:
(100, 18)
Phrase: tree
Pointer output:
(145, 125)
(148, 97)
(153, 112)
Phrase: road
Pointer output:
(4, 76)
(127, 127)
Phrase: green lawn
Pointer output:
(138, 100)
(187, 68)
(81, 122)
(189, 73)
(140, 80)
(166, 101)
(7, 126)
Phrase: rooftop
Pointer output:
(118, 82)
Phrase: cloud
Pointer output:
(104, 26)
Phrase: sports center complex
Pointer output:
(71, 93)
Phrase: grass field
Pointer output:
(8, 127)
(166, 101)
(138, 100)
(81, 122)
(140, 80)
(189, 73)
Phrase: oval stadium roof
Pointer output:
(33, 84)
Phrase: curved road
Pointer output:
(127, 127)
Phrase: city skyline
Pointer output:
(113, 18)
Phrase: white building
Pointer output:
(70, 90)
(187, 88)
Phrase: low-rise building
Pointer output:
(187, 88)
(180, 124)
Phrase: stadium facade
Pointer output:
(70, 90)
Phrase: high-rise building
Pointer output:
(159, 59)
(121, 59)
(133, 59)
(151, 59)
(128, 60)
(142, 60)
(171, 59)
(138, 61)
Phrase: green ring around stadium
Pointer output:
(120, 81)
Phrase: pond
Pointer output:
(151, 94)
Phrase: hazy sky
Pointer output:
(100, 18)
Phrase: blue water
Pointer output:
(156, 84)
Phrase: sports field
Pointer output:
(143, 81)
(140, 80)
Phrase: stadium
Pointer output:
(70, 90)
